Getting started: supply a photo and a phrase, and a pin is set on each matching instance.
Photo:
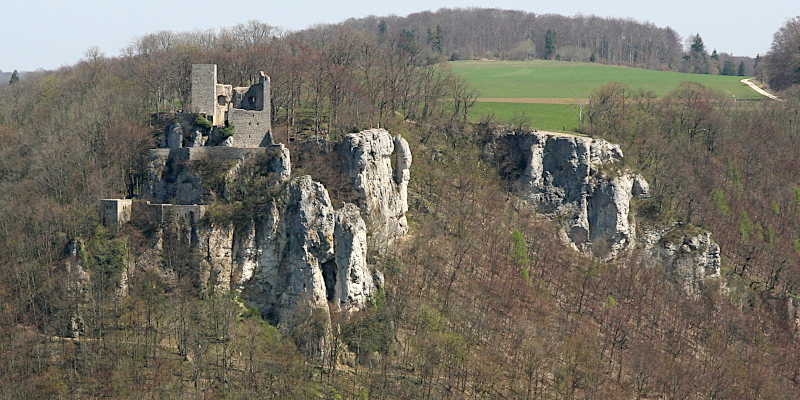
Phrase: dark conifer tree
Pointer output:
(741, 71)
(549, 44)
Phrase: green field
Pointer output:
(557, 79)
(549, 117)
(549, 81)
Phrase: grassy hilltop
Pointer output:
(549, 91)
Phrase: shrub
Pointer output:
(226, 132)
(202, 122)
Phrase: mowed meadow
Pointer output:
(549, 93)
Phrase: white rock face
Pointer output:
(77, 284)
(288, 281)
(689, 256)
(354, 285)
(214, 246)
(295, 258)
(381, 190)
(574, 178)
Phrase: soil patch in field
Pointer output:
(524, 100)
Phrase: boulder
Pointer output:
(174, 136)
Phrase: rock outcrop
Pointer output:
(370, 169)
(354, 285)
(576, 180)
(582, 183)
(77, 287)
(227, 218)
(381, 190)
(310, 256)
(200, 175)
(688, 254)
(288, 280)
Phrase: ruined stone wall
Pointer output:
(160, 214)
(176, 176)
(115, 212)
(248, 109)
(256, 97)
(250, 127)
(251, 115)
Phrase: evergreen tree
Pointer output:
(740, 71)
(728, 68)
(714, 54)
(14, 78)
(434, 39)
(697, 44)
(698, 57)
(408, 42)
(382, 28)
(437, 39)
(549, 44)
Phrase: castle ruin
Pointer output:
(247, 109)
(217, 204)
(172, 186)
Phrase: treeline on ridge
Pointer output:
(476, 33)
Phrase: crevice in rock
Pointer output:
(329, 276)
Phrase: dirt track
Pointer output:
(532, 101)
(758, 90)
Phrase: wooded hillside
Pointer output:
(482, 300)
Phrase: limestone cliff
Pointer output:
(370, 169)
(288, 279)
(226, 218)
(576, 180)
(352, 280)
(582, 183)
(381, 190)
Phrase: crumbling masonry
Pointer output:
(247, 109)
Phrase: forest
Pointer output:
(483, 300)
(477, 33)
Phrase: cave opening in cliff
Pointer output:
(329, 276)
